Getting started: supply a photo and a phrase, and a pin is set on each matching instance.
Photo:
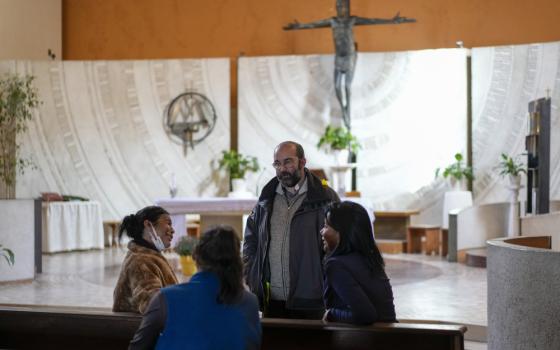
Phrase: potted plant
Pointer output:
(340, 141)
(237, 165)
(8, 255)
(185, 248)
(512, 168)
(457, 172)
(18, 99)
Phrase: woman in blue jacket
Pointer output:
(357, 289)
(212, 310)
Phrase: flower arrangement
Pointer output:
(186, 245)
(185, 248)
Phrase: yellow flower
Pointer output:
(324, 182)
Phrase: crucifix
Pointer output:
(345, 48)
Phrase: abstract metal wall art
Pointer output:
(189, 119)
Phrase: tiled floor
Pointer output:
(430, 288)
(425, 287)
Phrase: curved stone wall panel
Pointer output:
(99, 132)
(479, 223)
(408, 112)
(505, 79)
(523, 288)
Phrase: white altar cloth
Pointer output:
(71, 226)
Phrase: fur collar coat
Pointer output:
(143, 272)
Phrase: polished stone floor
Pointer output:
(425, 287)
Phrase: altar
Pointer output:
(212, 211)
(222, 211)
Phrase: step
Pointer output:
(476, 257)
(391, 246)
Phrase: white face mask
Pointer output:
(155, 239)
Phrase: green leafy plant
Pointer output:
(18, 99)
(186, 245)
(457, 170)
(338, 138)
(511, 166)
(8, 255)
(237, 164)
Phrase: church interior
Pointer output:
(450, 134)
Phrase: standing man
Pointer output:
(282, 249)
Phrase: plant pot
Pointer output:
(515, 180)
(187, 265)
(457, 185)
(341, 156)
(239, 189)
(238, 185)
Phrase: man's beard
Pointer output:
(288, 179)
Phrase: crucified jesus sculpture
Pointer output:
(345, 47)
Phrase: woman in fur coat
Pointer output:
(145, 270)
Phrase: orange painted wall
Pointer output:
(142, 29)
(135, 29)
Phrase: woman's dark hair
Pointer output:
(133, 224)
(218, 251)
(354, 226)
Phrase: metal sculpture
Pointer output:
(345, 48)
(189, 119)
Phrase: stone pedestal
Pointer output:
(513, 224)
(339, 177)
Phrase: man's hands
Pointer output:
(293, 25)
(399, 19)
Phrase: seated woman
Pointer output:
(357, 289)
(145, 270)
(212, 310)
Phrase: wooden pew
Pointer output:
(24, 327)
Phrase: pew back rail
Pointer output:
(90, 328)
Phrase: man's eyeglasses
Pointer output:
(286, 163)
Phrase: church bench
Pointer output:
(25, 326)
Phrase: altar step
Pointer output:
(476, 257)
(391, 246)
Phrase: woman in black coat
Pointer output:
(357, 289)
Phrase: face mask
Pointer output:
(156, 240)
